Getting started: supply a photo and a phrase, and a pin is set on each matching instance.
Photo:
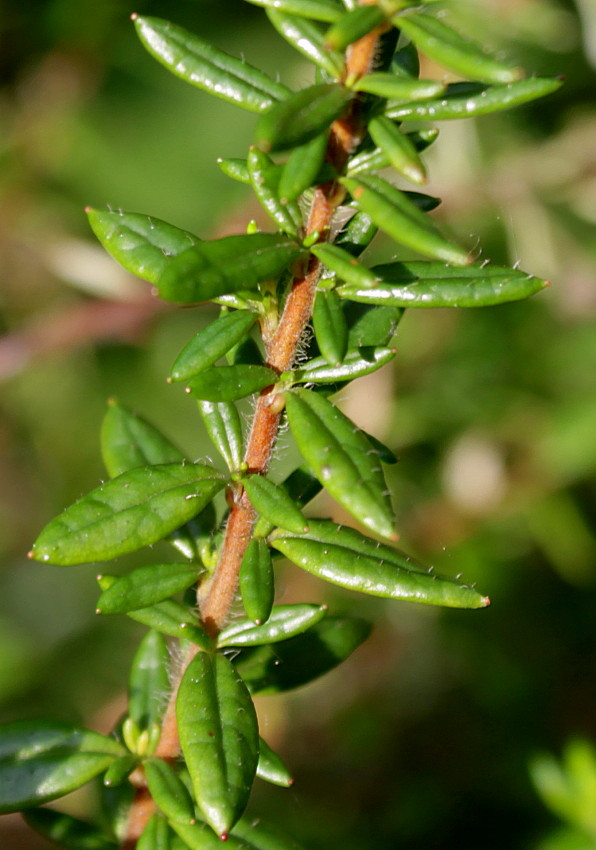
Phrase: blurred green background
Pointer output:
(425, 738)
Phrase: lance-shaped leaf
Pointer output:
(219, 738)
(148, 681)
(235, 168)
(465, 100)
(344, 264)
(256, 581)
(156, 835)
(211, 343)
(263, 836)
(437, 285)
(142, 244)
(41, 760)
(205, 66)
(301, 117)
(271, 767)
(303, 166)
(301, 659)
(446, 46)
(66, 831)
(120, 769)
(316, 10)
(371, 325)
(400, 151)
(376, 159)
(285, 622)
(173, 619)
(396, 215)
(274, 504)
(352, 26)
(356, 364)
(226, 383)
(308, 39)
(224, 427)
(265, 177)
(146, 586)
(357, 234)
(331, 331)
(129, 441)
(168, 791)
(135, 509)
(345, 557)
(339, 455)
(227, 265)
(398, 87)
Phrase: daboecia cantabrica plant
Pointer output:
(332, 165)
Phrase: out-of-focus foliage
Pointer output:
(493, 415)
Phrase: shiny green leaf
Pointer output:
(301, 117)
(235, 168)
(436, 285)
(303, 165)
(345, 557)
(129, 441)
(146, 586)
(317, 10)
(400, 151)
(226, 383)
(465, 100)
(298, 660)
(135, 509)
(156, 835)
(262, 836)
(168, 791)
(371, 325)
(66, 831)
(344, 264)
(256, 581)
(120, 769)
(274, 504)
(231, 264)
(357, 234)
(355, 364)
(219, 738)
(172, 618)
(265, 177)
(446, 46)
(385, 84)
(339, 455)
(384, 454)
(211, 343)
(308, 39)
(224, 427)
(376, 159)
(352, 26)
(301, 485)
(331, 331)
(396, 215)
(285, 622)
(207, 67)
(142, 244)
(271, 767)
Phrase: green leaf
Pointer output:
(331, 331)
(400, 151)
(265, 177)
(235, 168)
(397, 87)
(256, 581)
(231, 264)
(156, 835)
(285, 622)
(339, 455)
(274, 503)
(129, 441)
(226, 383)
(396, 215)
(149, 681)
(376, 159)
(200, 836)
(146, 586)
(352, 26)
(298, 660)
(168, 791)
(42, 760)
(211, 343)
(70, 833)
(356, 364)
(465, 100)
(301, 117)
(446, 46)
(172, 618)
(420, 284)
(357, 234)
(344, 264)
(384, 454)
(371, 325)
(317, 10)
(219, 738)
(207, 67)
(271, 767)
(308, 39)
(301, 485)
(263, 836)
(302, 168)
(135, 509)
(224, 427)
(142, 244)
(345, 557)
(120, 769)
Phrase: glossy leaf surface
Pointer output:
(168, 791)
(66, 831)
(352, 26)
(271, 767)
(211, 343)
(357, 234)
(156, 835)
(274, 504)
(129, 441)
(226, 383)
(343, 556)
(398, 148)
(316, 10)
(265, 177)
(339, 455)
(120, 770)
(302, 167)
(384, 84)
(344, 264)
(356, 364)
(308, 39)
(219, 738)
(285, 622)
(263, 836)
(224, 427)
(256, 581)
(376, 159)
(135, 509)
(205, 66)
(146, 586)
(173, 619)
(234, 168)
(371, 325)
(149, 681)
(330, 327)
(298, 660)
